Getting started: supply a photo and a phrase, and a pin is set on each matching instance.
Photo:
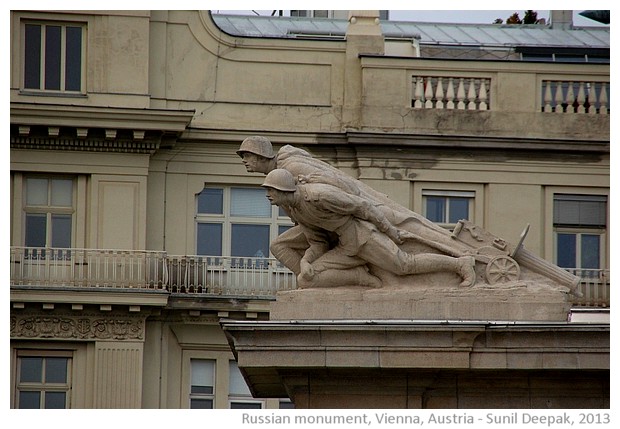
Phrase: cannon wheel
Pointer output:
(502, 269)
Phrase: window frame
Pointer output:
(579, 232)
(43, 386)
(449, 194)
(63, 24)
(552, 230)
(275, 220)
(237, 397)
(202, 396)
(49, 210)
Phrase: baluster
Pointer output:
(547, 98)
(460, 95)
(581, 98)
(570, 98)
(483, 95)
(559, 98)
(450, 94)
(592, 99)
(603, 99)
(471, 95)
(439, 94)
(418, 96)
(428, 94)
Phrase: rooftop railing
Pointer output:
(192, 275)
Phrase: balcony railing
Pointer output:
(88, 268)
(225, 275)
(134, 269)
(450, 93)
(594, 286)
(200, 275)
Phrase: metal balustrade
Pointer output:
(594, 286)
(199, 275)
(82, 268)
(226, 275)
(135, 269)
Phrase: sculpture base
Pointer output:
(515, 301)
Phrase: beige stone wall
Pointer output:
(117, 56)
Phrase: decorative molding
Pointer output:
(87, 145)
(80, 327)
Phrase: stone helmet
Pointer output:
(280, 179)
(258, 145)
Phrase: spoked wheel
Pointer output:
(502, 269)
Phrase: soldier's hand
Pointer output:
(307, 271)
(395, 235)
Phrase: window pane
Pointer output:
(286, 404)
(55, 400)
(210, 201)
(236, 384)
(250, 240)
(566, 250)
(28, 400)
(249, 202)
(36, 225)
(246, 405)
(590, 251)
(459, 209)
(36, 192)
(209, 239)
(436, 209)
(73, 59)
(52, 57)
(31, 370)
(62, 192)
(283, 228)
(201, 403)
(56, 370)
(202, 374)
(61, 231)
(32, 57)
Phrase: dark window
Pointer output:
(53, 57)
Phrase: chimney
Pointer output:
(561, 19)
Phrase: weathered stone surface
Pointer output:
(525, 301)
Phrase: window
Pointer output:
(580, 223)
(48, 212)
(238, 391)
(53, 56)
(43, 380)
(202, 388)
(237, 221)
(447, 207)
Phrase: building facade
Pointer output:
(135, 228)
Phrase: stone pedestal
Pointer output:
(522, 300)
(425, 364)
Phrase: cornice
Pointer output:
(55, 115)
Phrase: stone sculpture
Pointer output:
(348, 234)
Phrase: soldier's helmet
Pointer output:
(280, 179)
(258, 145)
